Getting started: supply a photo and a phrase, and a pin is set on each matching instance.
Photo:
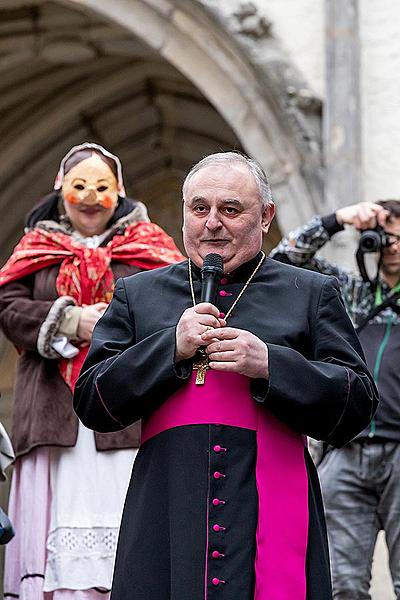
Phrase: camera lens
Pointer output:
(370, 241)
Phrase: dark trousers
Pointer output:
(361, 490)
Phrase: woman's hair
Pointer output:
(81, 155)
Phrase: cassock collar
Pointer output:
(239, 275)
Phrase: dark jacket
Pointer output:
(319, 383)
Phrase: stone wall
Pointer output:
(299, 24)
(380, 81)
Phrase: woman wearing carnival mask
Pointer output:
(67, 493)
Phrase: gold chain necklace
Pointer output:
(202, 364)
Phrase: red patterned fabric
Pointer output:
(85, 273)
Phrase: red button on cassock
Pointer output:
(224, 280)
(217, 502)
(218, 475)
(216, 554)
(216, 581)
(217, 528)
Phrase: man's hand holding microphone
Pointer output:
(229, 349)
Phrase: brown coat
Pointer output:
(43, 414)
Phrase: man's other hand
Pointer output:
(237, 351)
(364, 215)
(192, 324)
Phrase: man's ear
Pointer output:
(267, 216)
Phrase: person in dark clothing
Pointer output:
(224, 501)
(361, 482)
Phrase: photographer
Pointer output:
(361, 482)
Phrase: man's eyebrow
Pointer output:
(196, 199)
(232, 201)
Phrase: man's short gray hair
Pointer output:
(234, 157)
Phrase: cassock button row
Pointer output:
(218, 528)
(217, 448)
(216, 581)
(216, 554)
(218, 475)
(217, 502)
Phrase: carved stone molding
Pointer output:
(304, 99)
(250, 22)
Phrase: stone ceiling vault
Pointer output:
(68, 76)
(159, 82)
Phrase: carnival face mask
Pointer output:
(89, 183)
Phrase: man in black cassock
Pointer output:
(224, 501)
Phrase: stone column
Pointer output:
(342, 114)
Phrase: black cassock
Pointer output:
(319, 386)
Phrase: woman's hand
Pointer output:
(89, 316)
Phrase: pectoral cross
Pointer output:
(201, 366)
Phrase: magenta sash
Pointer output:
(281, 476)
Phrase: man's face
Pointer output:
(390, 264)
(223, 214)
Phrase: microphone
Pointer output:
(211, 273)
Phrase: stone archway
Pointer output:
(264, 106)
(80, 59)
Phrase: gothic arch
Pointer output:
(73, 68)
(269, 117)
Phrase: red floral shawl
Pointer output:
(85, 273)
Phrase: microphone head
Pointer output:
(213, 263)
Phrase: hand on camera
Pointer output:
(364, 215)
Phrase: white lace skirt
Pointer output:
(67, 505)
(89, 489)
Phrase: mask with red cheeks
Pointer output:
(89, 183)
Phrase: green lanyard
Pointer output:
(378, 293)
(383, 344)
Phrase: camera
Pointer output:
(372, 240)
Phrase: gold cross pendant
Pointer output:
(201, 366)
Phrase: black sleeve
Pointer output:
(331, 397)
(300, 248)
(331, 224)
(123, 380)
